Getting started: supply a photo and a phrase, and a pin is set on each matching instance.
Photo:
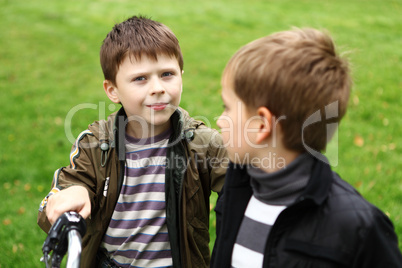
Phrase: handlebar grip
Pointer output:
(65, 235)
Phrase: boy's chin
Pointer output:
(159, 120)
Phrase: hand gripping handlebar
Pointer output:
(65, 235)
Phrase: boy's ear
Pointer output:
(111, 91)
(265, 124)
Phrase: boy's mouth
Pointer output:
(158, 106)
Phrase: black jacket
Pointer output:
(329, 225)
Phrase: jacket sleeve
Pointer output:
(81, 171)
(219, 213)
(218, 161)
(380, 248)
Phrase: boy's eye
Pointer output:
(167, 74)
(140, 78)
(224, 107)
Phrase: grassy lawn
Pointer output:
(49, 64)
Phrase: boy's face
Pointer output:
(236, 126)
(149, 91)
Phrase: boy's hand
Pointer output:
(74, 198)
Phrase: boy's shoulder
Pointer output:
(352, 224)
(197, 132)
(348, 206)
(103, 129)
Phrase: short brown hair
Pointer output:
(137, 37)
(294, 74)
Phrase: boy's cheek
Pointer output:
(225, 138)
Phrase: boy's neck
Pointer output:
(136, 130)
(275, 159)
(275, 155)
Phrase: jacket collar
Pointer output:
(176, 123)
(119, 131)
(317, 188)
(319, 184)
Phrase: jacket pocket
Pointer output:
(318, 253)
(194, 193)
(199, 243)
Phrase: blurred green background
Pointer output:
(49, 64)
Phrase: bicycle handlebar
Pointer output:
(74, 249)
(64, 235)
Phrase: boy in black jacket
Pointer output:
(282, 205)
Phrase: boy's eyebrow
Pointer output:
(145, 72)
(167, 69)
(162, 69)
(136, 74)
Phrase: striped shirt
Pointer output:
(137, 235)
(272, 193)
(254, 230)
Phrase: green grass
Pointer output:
(49, 64)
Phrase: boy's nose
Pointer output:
(157, 87)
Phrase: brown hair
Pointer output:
(137, 37)
(294, 74)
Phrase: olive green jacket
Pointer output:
(196, 164)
